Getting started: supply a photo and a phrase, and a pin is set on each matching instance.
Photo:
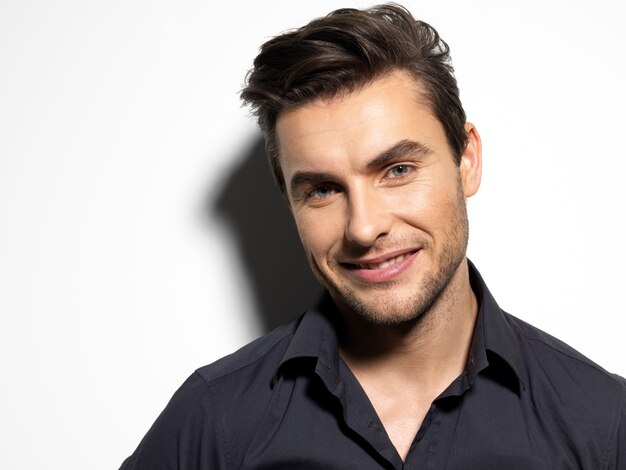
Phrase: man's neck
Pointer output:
(428, 353)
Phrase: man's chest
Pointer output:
(311, 429)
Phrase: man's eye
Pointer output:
(399, 171)
(322, 191)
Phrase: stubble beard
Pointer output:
(411, 311)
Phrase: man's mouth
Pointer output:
(383, 268)
(384, 264)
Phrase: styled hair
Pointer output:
(344, 51)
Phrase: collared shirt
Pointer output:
(287, 401)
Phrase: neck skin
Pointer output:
(422, 357)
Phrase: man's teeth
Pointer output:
(384, 264)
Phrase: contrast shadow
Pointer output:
(251, 206)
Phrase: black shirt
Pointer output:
(287, 401)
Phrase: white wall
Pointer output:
(119, 122)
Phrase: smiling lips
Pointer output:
(384, 270)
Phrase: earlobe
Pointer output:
(471, 161)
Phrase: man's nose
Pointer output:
(369, 217)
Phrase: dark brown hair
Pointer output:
(343, 51)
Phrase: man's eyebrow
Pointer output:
(404, 148)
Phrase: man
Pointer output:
(407, 361)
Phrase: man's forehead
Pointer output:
(349, 108)
(389, 79)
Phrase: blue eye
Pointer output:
(322, 191)
(399, 171)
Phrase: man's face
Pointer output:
(377, 197)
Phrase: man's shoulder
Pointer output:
(554, 363)
(264, 353)
(574, 396)
(216, 403)
(246, 374)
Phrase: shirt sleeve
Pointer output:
(617, 449)
(185, 436)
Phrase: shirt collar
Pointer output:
(493, 332)
(316, 337)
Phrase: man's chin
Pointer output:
(380, 307)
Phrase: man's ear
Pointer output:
(471, 165)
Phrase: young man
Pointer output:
(407, 361)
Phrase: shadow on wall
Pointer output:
(251, 206)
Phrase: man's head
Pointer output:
(344, 51)
(374, 161)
